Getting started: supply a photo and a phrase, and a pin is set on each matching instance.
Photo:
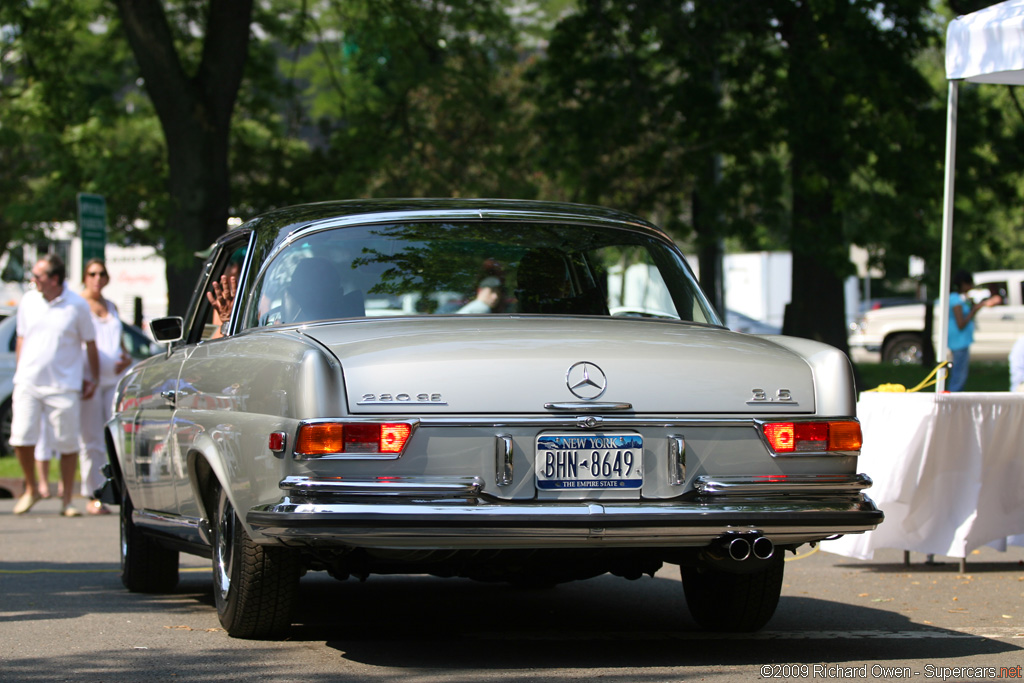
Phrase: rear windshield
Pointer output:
(474, 269)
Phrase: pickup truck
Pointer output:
(895, 334)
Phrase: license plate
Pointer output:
(589, 461)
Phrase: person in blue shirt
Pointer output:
(961, 326)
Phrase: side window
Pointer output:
(227, 262)
(320, 278)
(988, 289)
(636, 287)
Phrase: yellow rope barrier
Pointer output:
(899, 388)
(803, 555)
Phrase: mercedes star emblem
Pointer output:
(585, 380)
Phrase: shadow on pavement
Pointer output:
(421, 622)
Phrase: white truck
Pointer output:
(896, 334)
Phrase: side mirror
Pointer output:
(167, 330)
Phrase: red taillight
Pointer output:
(328, 438)
(393, 437)
(813, 437)
(276, 442)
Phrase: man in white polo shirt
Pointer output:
(53, 325)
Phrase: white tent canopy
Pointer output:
(986, 46)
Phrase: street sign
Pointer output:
(92, 225)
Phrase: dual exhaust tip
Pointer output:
(743, 547)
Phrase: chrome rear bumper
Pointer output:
(416, 513)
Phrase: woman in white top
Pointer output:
(114, 359)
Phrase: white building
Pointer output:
(136, 273)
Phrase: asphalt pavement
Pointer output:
(65, 616)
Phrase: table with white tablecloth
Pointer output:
(948, 472)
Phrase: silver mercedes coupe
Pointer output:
(512, 391)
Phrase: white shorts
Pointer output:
(55, 410)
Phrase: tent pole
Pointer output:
(947, 232)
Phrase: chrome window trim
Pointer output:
(468, 215)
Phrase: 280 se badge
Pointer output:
(369, 399)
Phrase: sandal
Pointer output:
(25, 503)
(70, 511)
(96, 507)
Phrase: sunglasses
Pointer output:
(97, 273)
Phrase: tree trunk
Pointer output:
(709, 253)
(818, 303)
(195, 113)
(817, 309)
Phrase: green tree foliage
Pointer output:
(772, 123)
(72, 121)
(854, 108)
(406, 98)
(661, 108)
(989, 196)
(776, 119)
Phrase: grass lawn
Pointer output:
(983, 377)
(9, 469)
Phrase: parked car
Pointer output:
(895, 334)
(138, 344)
(599, 419)
(885, 302)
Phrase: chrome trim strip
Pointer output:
(566, 421)
(586, 407)
(676, 460)
(781, 483)
(607, 422)
(192, 529)
(503, 459)
(306, 457)
(421, 486)
(579, 524)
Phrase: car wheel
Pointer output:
(254, 586)
(722, 601)
(904, 349)
(146, 566)
(5, 429)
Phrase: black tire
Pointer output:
(904, 349)
(146, 566)
(721, 601)
(5, 429)
(254, 586)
